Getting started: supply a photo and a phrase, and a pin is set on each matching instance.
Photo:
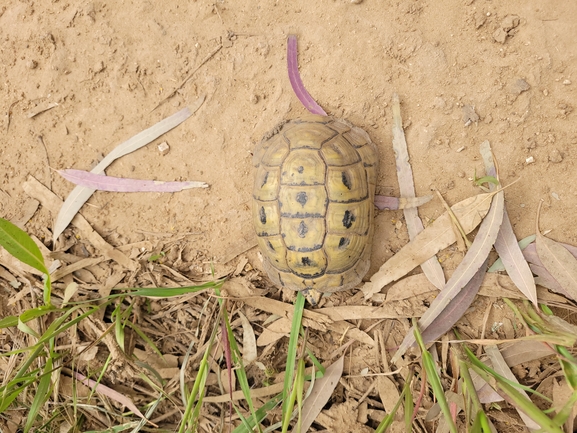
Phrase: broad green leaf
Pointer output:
(17, 242)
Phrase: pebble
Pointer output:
(530, 160)
(566, 82)
(163, 148)
(469, 115)
(519, 86)
(254, 98)
(356, 2)
(555, 156)
(31, 64)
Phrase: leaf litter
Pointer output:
(337, 313)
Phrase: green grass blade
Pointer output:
(292, 353)
(17, 242)
(259, 415)
(390, 417)
(434, 380)
(481, 423)
(42, 393)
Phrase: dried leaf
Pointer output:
(249, 350)
(497, 266)
(456, 307)
(295, 79)
(557, 260)
(506, 243)
(434, 238)
(393, 203)
(321, 393)
(101, 182)
(431, 267)
(468, 267)
(110, 393)
(501, 367)
(80, 194)
(525, 351)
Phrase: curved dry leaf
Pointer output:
(101, 182)
(249, 350)
(456, 308)
(110, 393)
(295, 79)
(393, 203)
(466, 270)
(321, 393)
(506, 244)
(557, 260)
(501, 367)
(80, 194)
(431, 267)
(435, 237)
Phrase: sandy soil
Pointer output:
(466, 71)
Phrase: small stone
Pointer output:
(254, 98)
(555, 196)
(31, 64)
(546, 92)
(555, 156)
(98, 67)
(469, 115)
(519, 86)
(510, 22)
(500, 36)
(163, 148)
(566, 82)
(480, 19)
(439, 103)
(488, 119)
(529, 160)
(356, 2)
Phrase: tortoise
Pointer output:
(313, 204)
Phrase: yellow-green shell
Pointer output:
(313, 203)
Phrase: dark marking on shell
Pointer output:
(346, 180)
(264, 181)
(348, 219)
(302, 198)
(262, 215)
(300, 169)
(306, 261)
(344, 242)
(302, 229)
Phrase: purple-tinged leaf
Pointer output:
(498, 266)
(295, 79)
(394, 203)
(506, 244)
(557, 260)
(431, 268)
(112, 394)
(466, 270)
(530, 252)
(101, 182)
(456, 307)
(80, 194)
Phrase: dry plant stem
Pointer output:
(462, 241)
(206, 59)
(431, 267)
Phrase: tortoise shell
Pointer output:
(313, 203)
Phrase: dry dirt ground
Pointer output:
(466, 71)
